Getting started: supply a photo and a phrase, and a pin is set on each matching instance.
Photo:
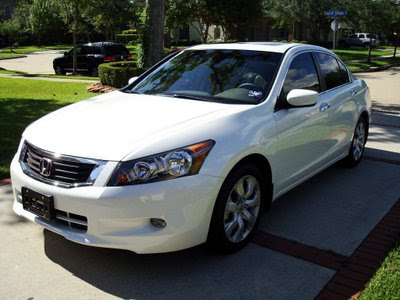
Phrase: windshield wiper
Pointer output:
(186, 96)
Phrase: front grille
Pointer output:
(64, 171)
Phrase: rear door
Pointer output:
(339, 94)
(303, 132)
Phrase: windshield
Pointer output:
(229, 76)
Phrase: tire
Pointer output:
(238, 209)
(358, 142)
(59, 71)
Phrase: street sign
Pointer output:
(335, 13)
(335, 25)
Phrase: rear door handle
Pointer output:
(353, 93)
(324, 106)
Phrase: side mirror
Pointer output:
(301, 98)
(66, 53)
(132, 80)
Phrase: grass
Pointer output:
(377, 62)
(386, 282)
(23, 101)
(78, 77)
(6, 53)
(359, 54)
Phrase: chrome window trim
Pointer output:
(99, 165)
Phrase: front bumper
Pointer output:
(119, 217)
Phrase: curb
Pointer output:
(5, 181)
(349, 281)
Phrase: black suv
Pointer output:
(90, 56)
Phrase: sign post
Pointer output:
(335, 25)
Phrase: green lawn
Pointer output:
(352, 54)
(23, 101)
(377, 62)
(21, 51)
(386, 282)
(79, 77)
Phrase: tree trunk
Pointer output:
(205, 34)
(74, 33)
(395, 46)
(154, 50)
(369, 53)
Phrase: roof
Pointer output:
(261, 46)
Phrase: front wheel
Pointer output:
(238, 209)
(358, 143)
(59, 71)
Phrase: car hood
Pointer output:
(107, 127)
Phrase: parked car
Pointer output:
(90, 56)
(193, 150)
(360, 40)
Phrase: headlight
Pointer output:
(168, 165)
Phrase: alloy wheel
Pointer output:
(359, 140)
(242, 208)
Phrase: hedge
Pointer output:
(117, 74)
(126, 38)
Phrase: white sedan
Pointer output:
(192, 151)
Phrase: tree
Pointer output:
(10, 30)
(154, 49)
(107, 16)
(236, 16)
(44, 18)
(72, 14)
(200, 14)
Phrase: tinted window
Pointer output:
(343, 73)
(362, 36)
(230, 76)
(302, 74)
(331, 72)
(91, 50)
(116, 50)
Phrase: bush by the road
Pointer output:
(117, 74)
(126, 38)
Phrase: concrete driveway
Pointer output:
(34, 63)
(311, 234)
(385, 89)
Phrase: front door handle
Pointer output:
(324, 106)
(353, 93)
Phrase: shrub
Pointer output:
(125, 38)
(117, 74)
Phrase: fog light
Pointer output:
(159, 223)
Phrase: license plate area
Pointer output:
(38, 204)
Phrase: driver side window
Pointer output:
(302, 74)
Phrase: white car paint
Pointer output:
(115, 127)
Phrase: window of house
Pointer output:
(7, 12)
(302, 74)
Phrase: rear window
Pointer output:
(116, 49)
